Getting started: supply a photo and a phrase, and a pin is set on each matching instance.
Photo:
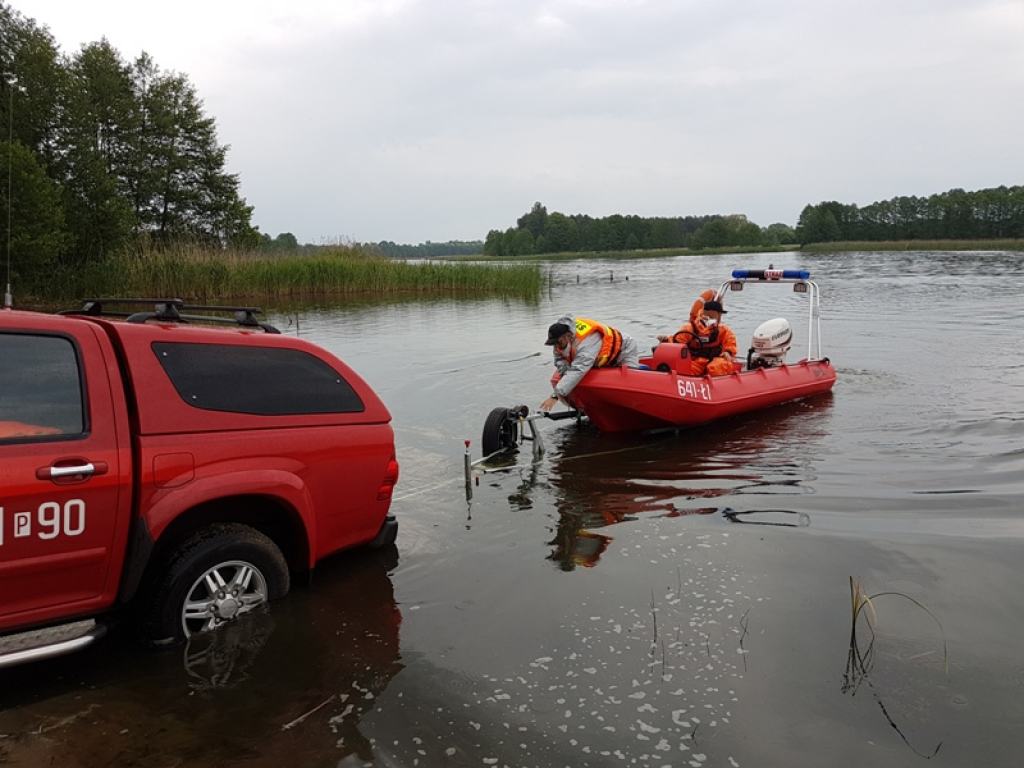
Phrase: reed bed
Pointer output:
(202, 274)
(1006, 244)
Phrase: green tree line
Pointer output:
(954, 215)
(286, 242)
(537, 231)
(104, 152)
(428, 250)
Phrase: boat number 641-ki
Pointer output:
(48, 522)
(695, 390)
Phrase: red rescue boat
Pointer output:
(663, 394)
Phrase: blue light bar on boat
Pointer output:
(771, 274)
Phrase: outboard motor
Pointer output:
(771, 342)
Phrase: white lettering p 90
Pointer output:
(55, 521)
(51, 520)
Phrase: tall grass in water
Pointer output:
(860, 660)
(197, 273)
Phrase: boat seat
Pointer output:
(669, 357)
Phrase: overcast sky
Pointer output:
(438, 120)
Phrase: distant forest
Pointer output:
(428, 249)
(538, 231)
(953, 215)
(956, 214)
(286, 242)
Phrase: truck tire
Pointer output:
(220, 573)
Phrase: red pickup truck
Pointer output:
(149, 459)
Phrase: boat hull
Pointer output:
(630, 400)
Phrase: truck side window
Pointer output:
(40, 388)
(257, 380)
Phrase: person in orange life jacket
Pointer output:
(684, 334)
(711, 342)
(581, 344)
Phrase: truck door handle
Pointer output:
(84, 470)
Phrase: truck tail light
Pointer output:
(390, 478)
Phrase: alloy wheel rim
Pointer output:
(221, 594)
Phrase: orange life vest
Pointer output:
(701, 343)
(611, 341)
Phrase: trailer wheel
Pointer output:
(221, 573)
(501, 432)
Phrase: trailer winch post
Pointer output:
(535, 438)
(467, 461)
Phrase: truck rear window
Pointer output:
(258, 380)
(40, 387)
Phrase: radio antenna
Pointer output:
(12, 83)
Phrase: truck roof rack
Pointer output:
(172, 311)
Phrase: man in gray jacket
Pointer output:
(580, 344)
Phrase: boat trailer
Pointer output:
(505, 429)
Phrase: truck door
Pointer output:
(63, 495)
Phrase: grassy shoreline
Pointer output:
(204, 275)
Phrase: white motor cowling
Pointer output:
(771, 342)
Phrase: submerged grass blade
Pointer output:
(942, 632)
(858, 665)
(859, 600)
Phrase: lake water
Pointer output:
(665, 600)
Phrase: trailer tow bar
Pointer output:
(504, 430)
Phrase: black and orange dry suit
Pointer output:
(706, 344)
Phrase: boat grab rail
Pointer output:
(741, 277)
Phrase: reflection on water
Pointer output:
(645, 671)
(600, 481)
(224, 659)
(784, 518)
(291, 313)
(576, 545)
(287, 686)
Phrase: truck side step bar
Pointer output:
(46, 643)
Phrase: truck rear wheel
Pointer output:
(219, 574)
